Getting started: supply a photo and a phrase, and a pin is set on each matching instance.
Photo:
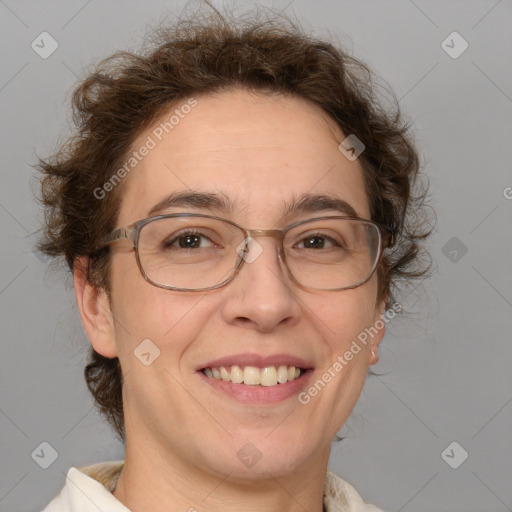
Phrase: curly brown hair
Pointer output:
(200, 55)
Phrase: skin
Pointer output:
(182, 436)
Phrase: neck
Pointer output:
(150, 482)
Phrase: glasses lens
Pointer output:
(332, 253)
(189, 252)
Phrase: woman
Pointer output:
(235, 211)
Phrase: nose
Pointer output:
(262, 295)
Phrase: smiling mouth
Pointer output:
(255, 376)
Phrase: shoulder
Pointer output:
(106, 473)
(89, 489)
(340, 496)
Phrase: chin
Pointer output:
(256, 457)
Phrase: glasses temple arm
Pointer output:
(118, 234)
(389, 237)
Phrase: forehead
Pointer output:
(260, 151)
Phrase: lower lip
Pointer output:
(259, 394)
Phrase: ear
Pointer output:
(94, 307)
(380, 325)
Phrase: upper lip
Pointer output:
(250, 359)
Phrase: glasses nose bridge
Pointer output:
(277, 234)
(274, 233)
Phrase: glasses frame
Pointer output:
(132, 232)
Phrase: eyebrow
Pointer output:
(306, 203)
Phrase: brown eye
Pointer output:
(188, 241)
(317, 242)
(314, 242)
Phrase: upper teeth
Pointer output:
(253, 376)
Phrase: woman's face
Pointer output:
(261, 153)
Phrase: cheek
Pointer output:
(345, 315)
(142, 311)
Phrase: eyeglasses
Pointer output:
(194, 252)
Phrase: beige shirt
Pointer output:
(89, 489)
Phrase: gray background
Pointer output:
(445, 371)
